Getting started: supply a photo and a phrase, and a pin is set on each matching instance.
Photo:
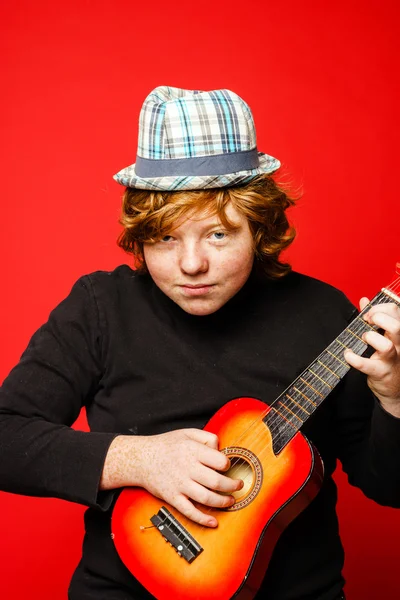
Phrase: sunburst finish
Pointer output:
(282, 474)
(235, 555)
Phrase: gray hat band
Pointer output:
(215, 164)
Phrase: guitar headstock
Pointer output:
(394, 287)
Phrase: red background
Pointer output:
(322, 80)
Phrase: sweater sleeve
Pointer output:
(368, 441)
(41, 455)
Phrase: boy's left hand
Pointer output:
(383, 367)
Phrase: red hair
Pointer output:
(147, 216)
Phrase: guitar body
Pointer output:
(231, 560)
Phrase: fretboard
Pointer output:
(298, 402)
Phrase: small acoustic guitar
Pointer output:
(177, 559)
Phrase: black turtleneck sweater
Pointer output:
(141, 365)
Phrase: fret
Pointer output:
(312, 397)
(359, 328)
(288, 409)
(338, 347)
(306, 397)
(330, 370)
(284, 418)
(333, 357)
(365, 324)
(297, 404)
(310, 386)
(344, 345)
(352, 343)
(337, 358)
(352, 333)
(310, 377)
(320, 379)
(324, 374)
(281, 429)
(337, 366)
(316, 382)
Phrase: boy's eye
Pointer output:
(219, 235)
(166, 238)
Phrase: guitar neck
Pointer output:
(299, 401)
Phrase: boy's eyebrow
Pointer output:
(220, 224)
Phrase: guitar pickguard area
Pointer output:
(246, 466)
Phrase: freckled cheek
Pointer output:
(159, 267)
(163, 275)
(237, 267)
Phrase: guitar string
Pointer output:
(250, 442)
(331, 362)
(289, 427)
(283, 428)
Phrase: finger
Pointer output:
(387, 322)
(385, 348)
(377, 369)
(207, 497)
(363, 303)
(187, 508)
(388, 308)
(213, 458)
(203, 437)
(215, 481)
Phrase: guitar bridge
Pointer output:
(174, 533)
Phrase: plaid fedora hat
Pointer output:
(190, 139)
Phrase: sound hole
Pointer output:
(246, 466)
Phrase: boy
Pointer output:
(210, 314)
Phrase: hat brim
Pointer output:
(128, 177)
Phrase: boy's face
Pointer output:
(200, 265)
